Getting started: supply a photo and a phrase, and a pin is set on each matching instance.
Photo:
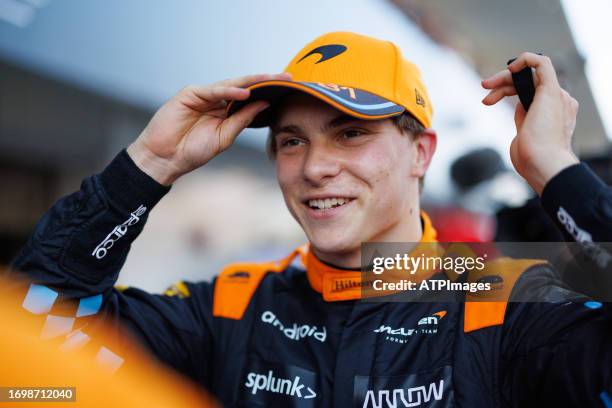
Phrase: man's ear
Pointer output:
(425, 147)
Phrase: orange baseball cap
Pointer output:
(358, 75)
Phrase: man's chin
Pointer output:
(333, 238)
(338, 247)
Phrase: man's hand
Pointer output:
(542, 145)
(192, 128)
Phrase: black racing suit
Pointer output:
(294, 333)
(580, 204)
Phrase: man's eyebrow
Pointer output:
(338, 121)
(292, 129)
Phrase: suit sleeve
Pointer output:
(556, 348)
(77, 251)
(580, 204)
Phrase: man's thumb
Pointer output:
(519, 116)
(234, 124)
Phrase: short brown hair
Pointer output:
(408, 124)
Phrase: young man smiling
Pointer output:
(350, 134)
(348, 180)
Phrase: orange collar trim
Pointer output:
(340, 284)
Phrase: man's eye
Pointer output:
(292, 141)
(351, 133)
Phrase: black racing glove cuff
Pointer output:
(574, 182)
(126, 185)
(571, 198)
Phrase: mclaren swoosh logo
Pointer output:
(327, 52)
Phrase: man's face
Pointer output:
(345, 180)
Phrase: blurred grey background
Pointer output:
(80, 79)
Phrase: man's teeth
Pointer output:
(327, 203)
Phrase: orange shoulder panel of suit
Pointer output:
(237, 283)
(480, 313)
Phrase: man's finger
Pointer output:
(545, 72)
(251, 79)
(499, 79)
(234, 124)
(217, 113)
(222, 104)
(230, 93)
(498, 94)
(202, 97)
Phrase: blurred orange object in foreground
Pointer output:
(27, 361)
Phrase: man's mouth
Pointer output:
(328, 203)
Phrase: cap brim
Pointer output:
(352, 101)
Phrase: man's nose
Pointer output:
(321, 163)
